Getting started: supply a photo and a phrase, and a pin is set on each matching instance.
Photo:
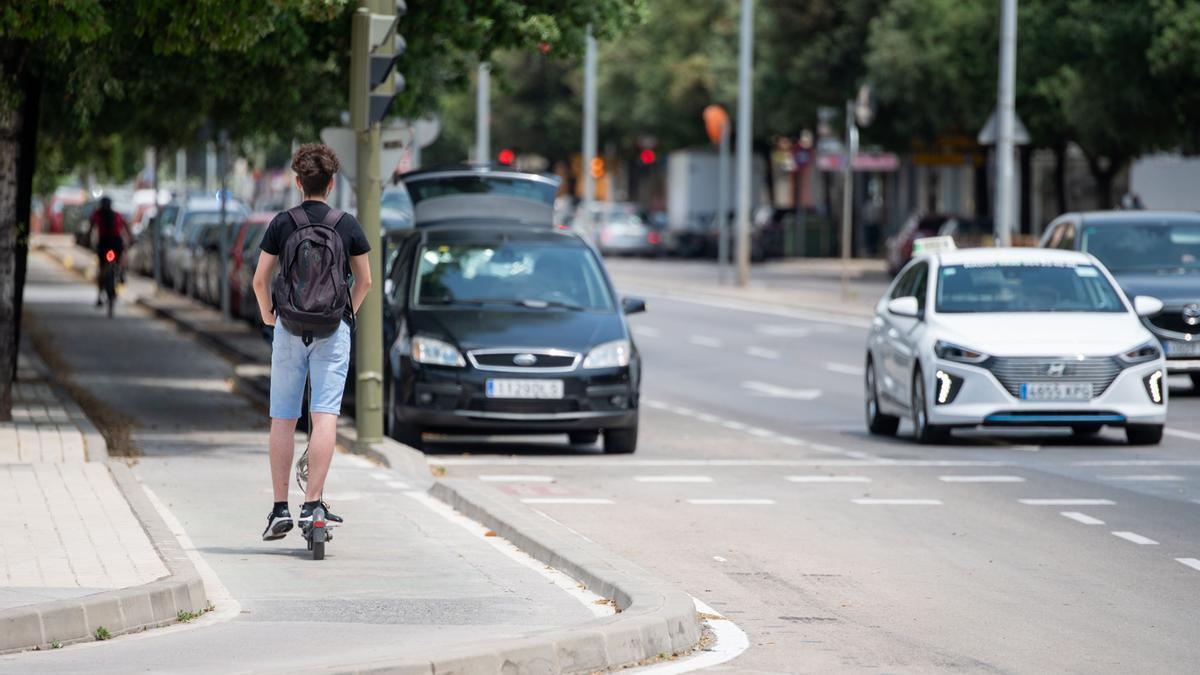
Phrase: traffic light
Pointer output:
(376, 46)
(648, 156)
(507, 157)
(597, 167)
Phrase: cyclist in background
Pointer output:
(112, 232)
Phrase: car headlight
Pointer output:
(953, 352)
(1142, 353)
(435, 352)
(1154, 387)
(613, 354)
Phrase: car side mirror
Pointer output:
(388, 287)
(906, 306)
(1145, 305)
(632, 305)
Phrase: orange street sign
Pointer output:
(715, 118)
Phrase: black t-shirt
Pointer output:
(354, 241)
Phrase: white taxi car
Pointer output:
(1013, 337)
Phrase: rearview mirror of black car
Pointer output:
(632, 305)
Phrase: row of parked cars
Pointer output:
(496, 319)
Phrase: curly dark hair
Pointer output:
(315, 164)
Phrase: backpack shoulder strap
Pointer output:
(331, 219)
(299, 216)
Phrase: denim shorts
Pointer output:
(326, 361)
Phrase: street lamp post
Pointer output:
(483, 113)
(744, 127)
(589, 134)
(848, 195)
(1006, 122)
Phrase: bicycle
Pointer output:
(108, 279)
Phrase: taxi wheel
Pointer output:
(877, 422)
(1144, 434)
(923, 431)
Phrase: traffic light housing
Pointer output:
(376, 47)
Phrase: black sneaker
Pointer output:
(278, 525)
(329, 515)
(306, 515)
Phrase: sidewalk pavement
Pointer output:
(405, 586)
(801, 284)
(69, 536)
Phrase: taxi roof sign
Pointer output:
(933, 245)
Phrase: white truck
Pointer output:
(692, 193)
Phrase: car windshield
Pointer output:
(1164, 247)
(531, 274)
(1025, 287)
(396, 198)
(524, 188)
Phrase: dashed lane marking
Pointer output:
(1146, 478)
(705, 341)
(646, 332)
(673, 479)
(762, 353)
(566, 500)
(1136, 538)
(844, 368)
(1067, 502)
(873, 501)
(760, 433)
(981, 479)
(827, 479)
(1190, 562)
(1179, 433)
(515, 478)
(1081, 518)
(734, 425)
(731, 502)
(776, 391)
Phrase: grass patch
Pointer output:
(186, 615)
(102, 633)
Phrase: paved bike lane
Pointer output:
(399, 574)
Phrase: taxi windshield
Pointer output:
(1025, 287)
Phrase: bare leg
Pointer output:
(320, 453)
(282, 447)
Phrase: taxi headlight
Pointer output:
(436, 352)
(953, 352)
(1154, 387)
(1142, 353)
(613, 354)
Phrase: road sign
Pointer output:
(987, 135)
(864, 106)
(345, 145)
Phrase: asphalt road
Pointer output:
(756, 489)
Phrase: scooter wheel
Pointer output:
(318, 550)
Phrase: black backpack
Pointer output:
(311, 294)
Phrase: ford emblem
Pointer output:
(525, 360)
(1191, 314)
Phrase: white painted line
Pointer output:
(831, 449)
(981, 479)
(681, 410)
(1138, 462)
(646, 332)
(1081, 518)
(870, 501)
(1190, 562)
(718, 558)
(731, 502)
(705, 341)
(397, 484)
(1067, 502)
(565, 500)
(515, 478)
(673, 479)
(729, 642)
(657, 405)
(1146, 477)
(827, 479)
(705, 417)
(844, 368)
(736, 426)
(572, 587)
(1136, 538)
(783, 330)
(788, 440)
(381, 475)
(761, 433)
(776, 391)
(1180, 433)
(762, 352)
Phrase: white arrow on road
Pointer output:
(765, 389)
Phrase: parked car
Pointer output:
(1013, 337)
(396, 208)
(242, 302)
(1149, 253)
(620, 230)
(180, 236)
(141, 255)
(898, 248)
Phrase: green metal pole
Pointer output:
(368, 404)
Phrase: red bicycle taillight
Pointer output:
(655, 238)
(110, 256)
(318, 523)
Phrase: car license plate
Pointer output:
(1056, 391)
(525, 389)
(1184, 349)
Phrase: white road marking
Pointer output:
(1138, 462)
(673, 479)
(736, 426)
(381, 475)
(1067, 502)
(761, 433)
(831, 449)
(718, 558)
(705, 417)
(1180, 433)
(1190, 562)
(397, 484)
(731, 502)
(705, 341)
(762, 352)
(515, 478)
(1081, 518)
(680, 410)
(646, 332)
(1136, 538)
(827, 479)
(783, 330)
(844, 369)
(980, 479)
(872, 501)
(657, 405)
(566, 500)
(1146, 477)
(728, 644)
(571, 586)
(776, 391)
(788, 440)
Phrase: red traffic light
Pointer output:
(648, 156)
(507, 157)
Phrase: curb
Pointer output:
(119, 611)
(94, 446)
